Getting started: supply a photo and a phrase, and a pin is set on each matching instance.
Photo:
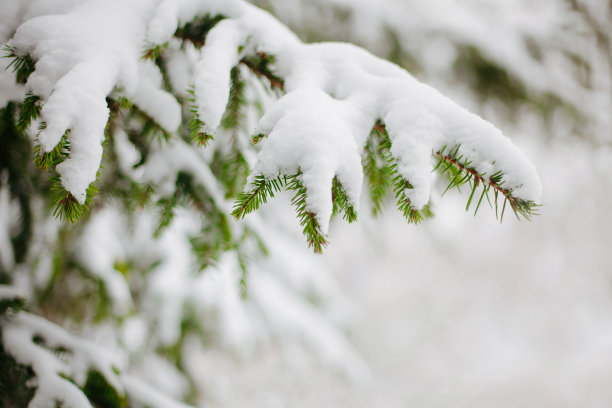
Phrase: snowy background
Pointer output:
(462, 311)
(458, 311)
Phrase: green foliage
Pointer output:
(48, 160)
(308, 220)
(16, 388)
(261, 64)
(231, 170)
(458, 169)
(11, 305)
(155, 52)
(233, 117)
(15, 163)
(488, 78)
(22, 65)
(67, 208)
(195, 125)
(101, 394)
(28, 111)
(257, 138)
(381, 172)
(377, 172)
(197, 29)
(262, 190)
(341, 202)
(404, 205)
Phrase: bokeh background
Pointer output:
(462, 310)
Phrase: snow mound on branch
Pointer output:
(335, 93)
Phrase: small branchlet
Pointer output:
(234, 117)
(48, 160)
(195, 124)
(154, 52)
(231, 169)
(255, 139)
(261, 65)
(29, 111)
(341, 202)
(22, 65)
(404, 205)
(263, 189)
(459, 171)
(67, 207)
(382, 172)
(197, 29)
(308, 220)
(376, 171)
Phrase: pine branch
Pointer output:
(459, 166)
(233, 117)
(341, 202)
(308, 220)
(155, 52)
(404, 205)
(29, 110)
(48, 160)
(195, 124)
(67, 207)
(258, 138)
(197, 29)
(262, 190)
(260, 65)
(377, 173)
(23, 65)
(385, 171)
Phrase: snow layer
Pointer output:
(334, 94)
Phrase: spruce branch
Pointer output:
(450, 162)
(382, 171)
(341, 202)
(308, 220)
(48, 160)
(377, 173)
(195, 125)
(67, 207)
(197, 29)
(233, 117)
(255, 139)
(154, 52)
(262, 190)
(22, 65)
(29, 111)
(260, 65)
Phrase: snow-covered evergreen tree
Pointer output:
(137, 136)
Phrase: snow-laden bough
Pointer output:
(343, 113)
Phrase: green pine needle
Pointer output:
(233, 117)
(195, 124)
(258, 138)
(197, 29)
(28, 111)
(261, 65)
(46, 161)
(155, 52)
(22, 65)
(308, 220)
(376, 168)
(460, 172)
(341, 202)
(263, 189)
